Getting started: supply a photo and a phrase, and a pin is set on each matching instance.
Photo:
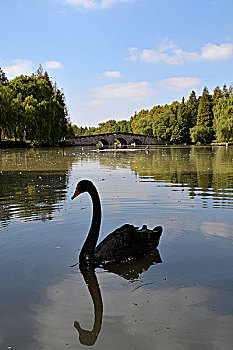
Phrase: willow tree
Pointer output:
(223, 119)
(38, 108)
(5, 110)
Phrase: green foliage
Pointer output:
(78, 131)
(164, 125)
(225, 130)
(123, 126)
(192, 105)
(197, 120)
(3, 78)
(225, 91)
(137, 116)
(217, 95)
(144, 125)
(223, 116)
(153, 113)
(5, 110)
(201, 134)
(205, 112)
(108, 126)
(180, 133)
(34, 109)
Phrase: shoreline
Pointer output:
(27, 145)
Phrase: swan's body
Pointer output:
(125, 243)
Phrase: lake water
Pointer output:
(179, 299)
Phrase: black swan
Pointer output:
(125, 243)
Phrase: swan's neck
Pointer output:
(87, 254)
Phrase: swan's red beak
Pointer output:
(76, 193)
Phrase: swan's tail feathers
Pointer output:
(158, 230)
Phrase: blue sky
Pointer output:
(115, 57)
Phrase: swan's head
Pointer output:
(82, 186)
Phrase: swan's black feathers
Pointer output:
(127, 242)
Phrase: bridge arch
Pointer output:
(136, 142)
(104, 142)
(122, 141)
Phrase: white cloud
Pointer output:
(18, 67)
(182, 56)
(88, 4)
(96, 102)
(53, 64)
(214, 52)
(134, 54)
(112, 74)
(140, 91)
(135, 91)
(94, 4)
(180, 83)
(171, 54)
(153, 56)
(165, 54)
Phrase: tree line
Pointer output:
(200, 119)
(109, 126)
(32, 108)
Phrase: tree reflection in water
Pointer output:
(31, 195)
(129, 270)
(206, 171)
(32, 183)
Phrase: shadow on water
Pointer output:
(128, 270)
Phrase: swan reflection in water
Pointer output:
(89, 337)
(129, 270)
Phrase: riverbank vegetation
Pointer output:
(32, 108)
(200, 119)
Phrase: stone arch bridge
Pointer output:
(109, 138)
